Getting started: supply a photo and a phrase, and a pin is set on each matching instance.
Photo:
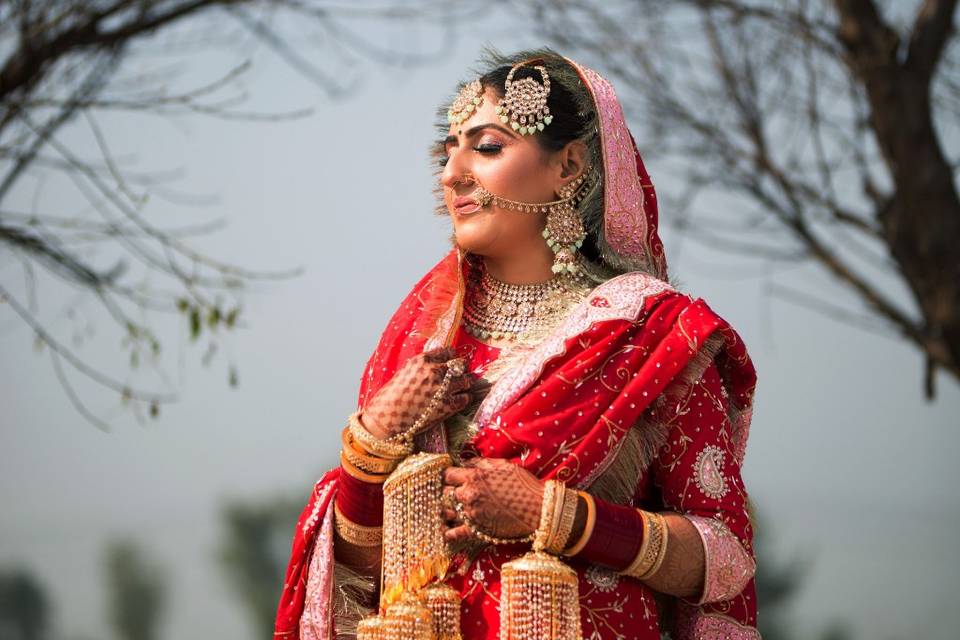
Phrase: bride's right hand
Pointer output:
(401, 401)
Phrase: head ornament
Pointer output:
(466, 103)
(524, 102)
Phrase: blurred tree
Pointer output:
(254, 554)
(136, 590)
(778, 582)
(807, 131)
(24, 607)
(63, 61)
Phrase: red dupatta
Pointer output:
(630, 346)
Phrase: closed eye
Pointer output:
(487, 149)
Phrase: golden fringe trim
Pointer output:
(618, 482)
(352, 593)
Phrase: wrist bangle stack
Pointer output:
(362, 460)
(578, 545)
(374, 445)
(360, 474)
(558, 512)
(653, 549)
(356, 534)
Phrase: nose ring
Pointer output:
(464, 178)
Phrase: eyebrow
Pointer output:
(478, 128)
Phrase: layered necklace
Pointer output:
(519, 312)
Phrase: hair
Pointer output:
(574, 118)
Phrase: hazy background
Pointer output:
(853, 473)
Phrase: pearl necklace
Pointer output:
(514, 312)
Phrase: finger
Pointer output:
(441, 354)
(462, 383)
(456, 476)
(450, 515)
(458, 534)
(484, 463)
(480, 386)
(458, 402)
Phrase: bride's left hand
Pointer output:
(501, 498)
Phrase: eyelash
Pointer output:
(483, 148)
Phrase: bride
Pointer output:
(585, 403)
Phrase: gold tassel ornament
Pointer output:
(372, 628)
(444, 602)
(414, 550)
(408, 619)
(540, 597)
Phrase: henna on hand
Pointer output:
(499, 497)
(404, 399)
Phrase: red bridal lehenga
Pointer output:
(641, 396)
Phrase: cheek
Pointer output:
(518, 176)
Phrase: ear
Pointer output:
(572, 161)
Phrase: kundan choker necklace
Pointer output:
(497, 310)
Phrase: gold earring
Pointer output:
(564, 231)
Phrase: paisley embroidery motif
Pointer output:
(708, 472)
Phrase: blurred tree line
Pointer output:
(252, 555)
(136, 587)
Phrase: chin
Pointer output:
(474, 234)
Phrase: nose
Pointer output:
(455, 171)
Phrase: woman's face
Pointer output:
(506, 164)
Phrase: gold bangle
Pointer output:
(650, 548)
(549, 514)
(588, 528)
(661, 550)
(356, 534)
(362, 476)
(373, 444)
(567, 508)
(363, 461)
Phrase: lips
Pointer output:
(465, 204)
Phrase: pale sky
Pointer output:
(849, 466)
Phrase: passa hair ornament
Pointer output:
(524, 102)
(466, 103)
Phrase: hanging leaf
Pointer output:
(194, 323)
(213, 318)
(154, 409)
(182, 305)
(234, 378)
(231, 318)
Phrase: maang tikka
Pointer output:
(524, 102)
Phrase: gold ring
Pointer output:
(457, 367)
